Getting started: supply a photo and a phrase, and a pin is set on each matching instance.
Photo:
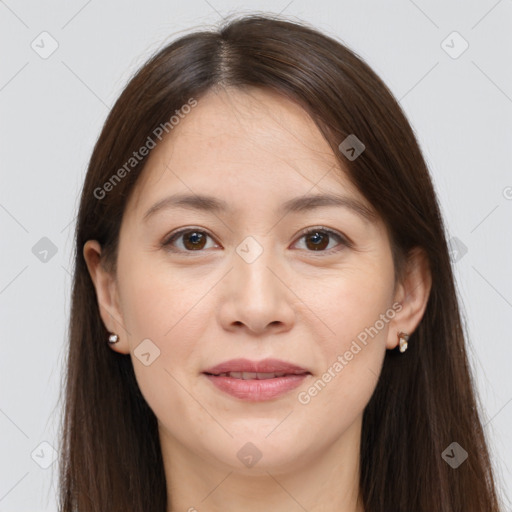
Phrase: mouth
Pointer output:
(257, 375)
(256, 381)
(267, 368)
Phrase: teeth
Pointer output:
(269, 375)
(252, 375)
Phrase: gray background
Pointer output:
(52, 110)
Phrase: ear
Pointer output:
(412, 293)
(107, 294)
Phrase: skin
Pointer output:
(254, 149)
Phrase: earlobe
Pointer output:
(106, 293)
(413, 294)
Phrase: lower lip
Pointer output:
(255, 390)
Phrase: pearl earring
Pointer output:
(113, 338)
(403, 338)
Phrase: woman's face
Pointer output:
(312, 286)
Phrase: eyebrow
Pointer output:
(299, 204)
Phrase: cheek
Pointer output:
(157, 306)
(158, 301)
(356, 307)
(351, 299)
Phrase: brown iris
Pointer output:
(318, 244)
(196, 238)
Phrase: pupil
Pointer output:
(194, 238)
(318, 238)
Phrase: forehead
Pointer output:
(245, 144)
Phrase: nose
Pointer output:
(256, 297)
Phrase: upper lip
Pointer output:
(264, 366)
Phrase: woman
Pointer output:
(264, 314)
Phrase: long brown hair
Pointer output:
(425, 398)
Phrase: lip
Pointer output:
(264, 366)
(256, 390)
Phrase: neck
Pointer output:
(319, 482)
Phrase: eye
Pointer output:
(318, 239)
(193, 240)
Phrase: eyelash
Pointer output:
(343, 240)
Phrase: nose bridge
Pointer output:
(255, 297)
(251, 260)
